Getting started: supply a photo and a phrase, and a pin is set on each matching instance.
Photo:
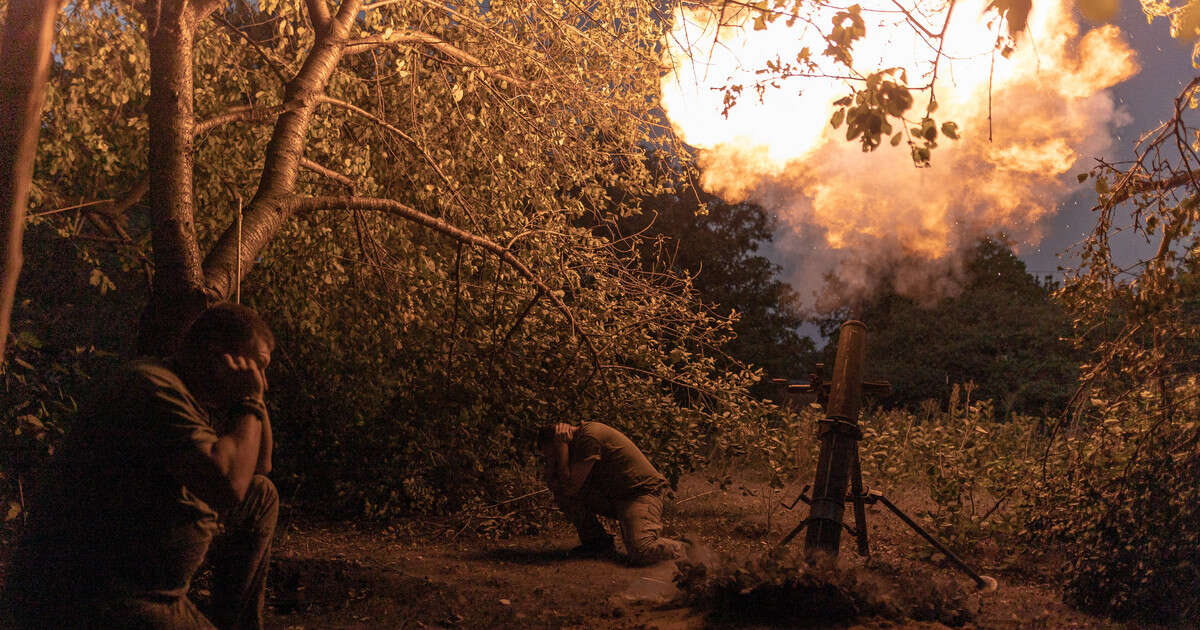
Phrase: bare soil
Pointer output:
(422, 574)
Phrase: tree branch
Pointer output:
(331, 174)
(395, 208)
(28, 36)
(318, 14)
(350, 107)
(128, 200)
(400, 38)
(1123, 193)
(272, 63)
(249, 113)
(266, 212)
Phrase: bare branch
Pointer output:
(1144, 186)
(318, 14)
(395, 208)
(28, 36)
(248, 113)
(407, 37)
(327, 172)
(46, 213)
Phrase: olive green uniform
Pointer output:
(622, 485)
(115, 538)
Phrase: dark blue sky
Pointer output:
(1148, 98)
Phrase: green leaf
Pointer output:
(837, 119)
(27, 338)
(897, 138)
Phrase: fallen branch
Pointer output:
(515, 499)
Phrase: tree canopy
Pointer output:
(415, 196)
(717, 243)
(1004, 332)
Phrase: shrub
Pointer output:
(1123, 497)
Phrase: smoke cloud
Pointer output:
(849, 220)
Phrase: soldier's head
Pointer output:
(222, 329)
(549, 434)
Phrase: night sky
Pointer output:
(1148, 99)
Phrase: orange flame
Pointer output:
(867, 217)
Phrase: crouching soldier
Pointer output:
(594, 469)
(163, 469)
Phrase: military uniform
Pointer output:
(115, 538)
(622, 485)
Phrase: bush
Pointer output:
(418, 388)
(1122, 496)
(1137, 551)
(971, 463)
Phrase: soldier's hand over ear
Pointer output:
(242, 378)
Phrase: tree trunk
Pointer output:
(268, 210)
(177, 291)
(25, 46)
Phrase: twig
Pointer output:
(77, 206)
(694, 496)
(515, 499)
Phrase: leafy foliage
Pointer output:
(61, 344)
(1120, 496)
(1127, 443)
(412, 369)
(716, 244)
(971, 463)
(879, 102)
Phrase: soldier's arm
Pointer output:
(218, 469)
(265, 447)
(574, 480)
(233, 458)
(556, 468)
(576, 474)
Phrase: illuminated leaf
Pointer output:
(837, 119)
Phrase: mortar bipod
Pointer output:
(870, 497)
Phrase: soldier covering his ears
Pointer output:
(594, 469)
(165, 468)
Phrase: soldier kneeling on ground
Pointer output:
(168, 459)
(594, 469)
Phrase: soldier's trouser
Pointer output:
(154, 594)
(240, 556)
(640, 518)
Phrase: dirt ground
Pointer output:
(422, 575)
